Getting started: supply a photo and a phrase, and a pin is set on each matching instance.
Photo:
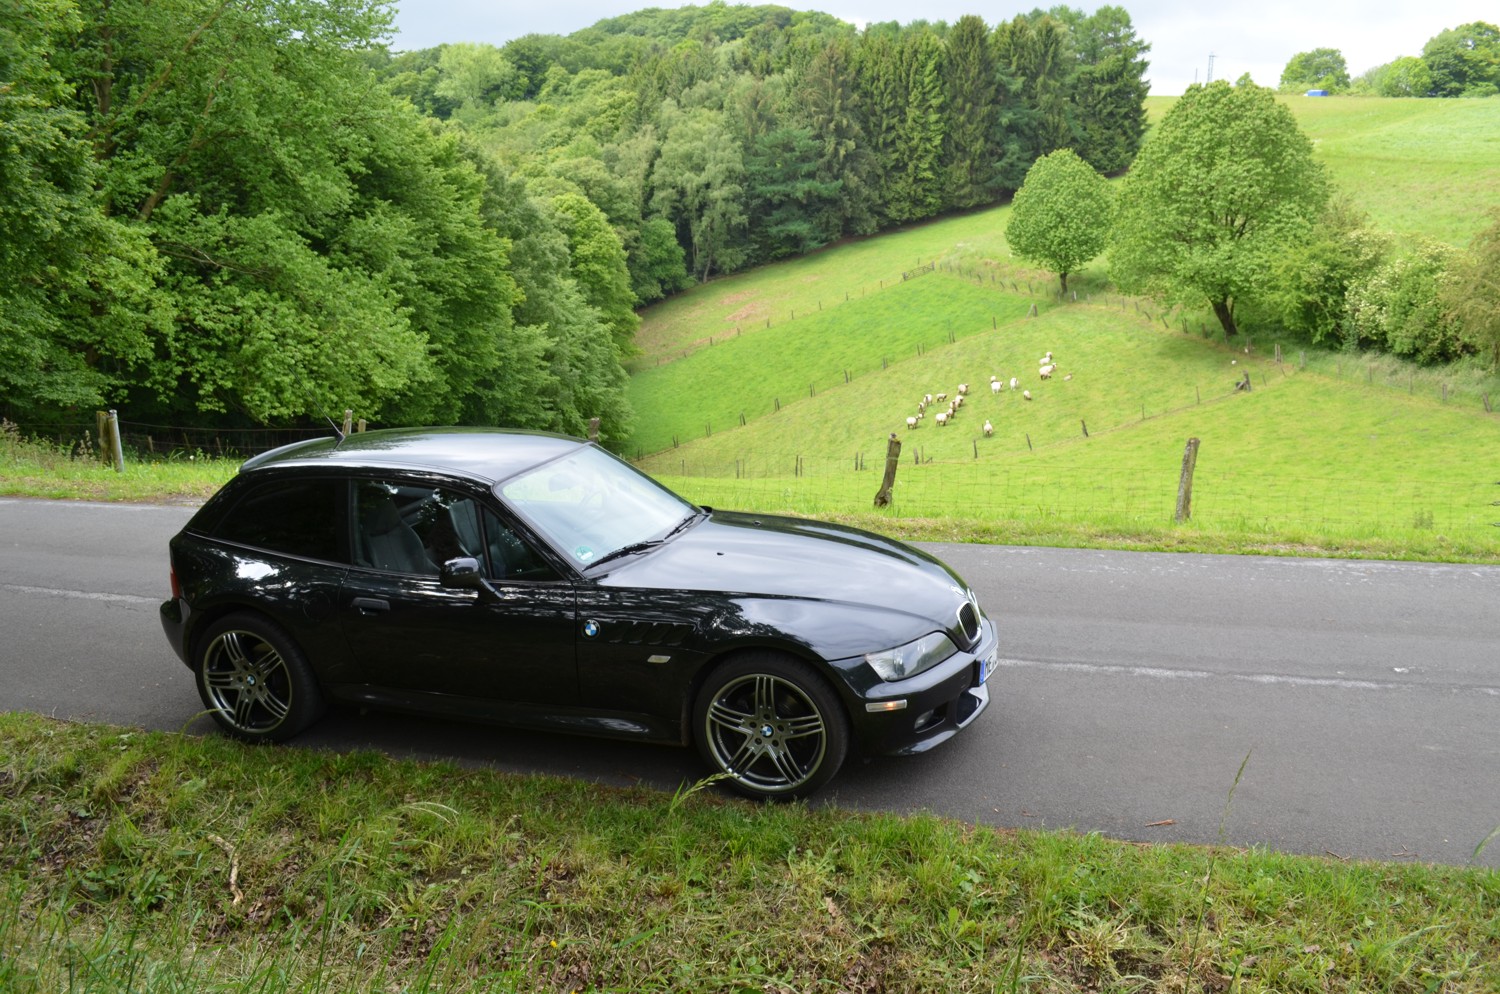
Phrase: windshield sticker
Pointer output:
(583, 553)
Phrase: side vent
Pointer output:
(646, 633)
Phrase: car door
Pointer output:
(411, 638)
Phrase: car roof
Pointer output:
(485, 454)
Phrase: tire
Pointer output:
(771, 726)
(254, 679)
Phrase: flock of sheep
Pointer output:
(1046, 366)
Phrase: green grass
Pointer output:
(32, 468)
(151, 862)
(823, 358)
(1416, 166)
(815, 283)
(1327, 454)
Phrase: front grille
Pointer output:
(968, 623)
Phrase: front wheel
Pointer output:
(254, 680)
(771, 725)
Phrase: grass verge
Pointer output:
(154, 862)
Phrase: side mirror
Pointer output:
(462, 573)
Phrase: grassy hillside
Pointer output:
(778, 389)
(1417, 167)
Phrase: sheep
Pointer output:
(958, 401)
(927, 398)
(963, 388)
(989, 429)
(911, 423)
(995, 385)
(1044, 360)
(1026, 394)
(942, 418)
(942, 396)
(1014, 382)
(1068, 377)
(921, 406)
(1046, 372)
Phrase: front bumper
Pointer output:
(938, 703)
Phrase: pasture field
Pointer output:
(1416, 166)
(816, 283)
(1307, 459)
(777, 389)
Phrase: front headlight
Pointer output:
(911, 658)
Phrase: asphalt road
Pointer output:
(1365, 695)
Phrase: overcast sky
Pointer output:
(1257, 38)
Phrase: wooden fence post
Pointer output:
(593, 429)
(1185, 483)
(101, 433)
(116, 449)
(348, 422)
(892, 458)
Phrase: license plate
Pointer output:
(986, 667)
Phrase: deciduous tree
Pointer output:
(1060, 217)
(1472, 295)
(1310, 281)
(1222, 187)
(1319, 69)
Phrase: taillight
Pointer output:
(176, 587)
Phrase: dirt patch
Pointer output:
(745, 313)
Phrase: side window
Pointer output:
(408, 528)
(511, 556)
(298, 517)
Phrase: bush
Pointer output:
(1399, 307)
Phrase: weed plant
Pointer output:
(32, 467)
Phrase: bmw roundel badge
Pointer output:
(590, 629)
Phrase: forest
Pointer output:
(234, 215)
(254, 214)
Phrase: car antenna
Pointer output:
(332, 424)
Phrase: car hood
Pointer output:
(764, 555)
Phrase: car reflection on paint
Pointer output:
(538, 581)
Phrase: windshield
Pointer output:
(590, 504)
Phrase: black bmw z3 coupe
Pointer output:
(538, 581)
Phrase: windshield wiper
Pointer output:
(651, 543)
(682, 525)
(627, 550)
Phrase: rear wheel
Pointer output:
(255, 681)
(771, 725)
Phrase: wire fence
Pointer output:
(149, 442)
(962, 490)
(986, 491)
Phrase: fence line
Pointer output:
(966, 490)
(156, 441)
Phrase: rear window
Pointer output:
(296, 517)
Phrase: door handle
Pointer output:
(370, 605)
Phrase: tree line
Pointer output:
(216, 214)
(255, 213)
(1456, 62)
(746, 134)
(1226, 208)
